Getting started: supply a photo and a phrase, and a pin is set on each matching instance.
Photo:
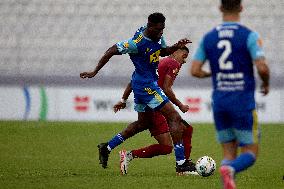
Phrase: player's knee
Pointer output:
(175, 117)
(131, 130)
(176, 130)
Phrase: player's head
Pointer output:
(181, 54)
(231, 6)
(155, 25)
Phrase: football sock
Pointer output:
(151, 151)
(180, 162)
(179, 153)
(187, 135)
(115, 141)
(242, 162)
(226, 162)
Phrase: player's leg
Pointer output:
(174, 122)
(253, 148)
(144, 120)
(187, 136)
(183, 166)
(163, 147)
(154, 98)
(227, 139)
(226, 171)
(247, 132)
(150, 96)
(160, 131)
(230, 150)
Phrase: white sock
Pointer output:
(180, 162)
(109, 149)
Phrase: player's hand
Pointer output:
(87, 74)
(182, 42)
(118, 106)
(264, 89)
(184, 108)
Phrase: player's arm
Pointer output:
(254, 45)
(122, 103)
(123, 47)
(197, 71)
(102, 62)
(264, 73)
(166, 51)
(198, 62)
(167, 88)
(126, 92)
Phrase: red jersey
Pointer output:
(171, 67)
(167, 66)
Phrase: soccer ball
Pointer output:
(205, 166)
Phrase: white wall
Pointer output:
(95, 104)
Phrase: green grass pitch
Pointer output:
(64, 155)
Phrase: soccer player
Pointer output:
(232, 50)
(144, 50)
(168, 69)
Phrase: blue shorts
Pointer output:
(148, 97)
(241, 126)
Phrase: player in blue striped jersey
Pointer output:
(232, 50)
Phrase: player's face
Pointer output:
(181, 56)
(156, 31)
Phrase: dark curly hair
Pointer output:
(156, 18)
(231, 5)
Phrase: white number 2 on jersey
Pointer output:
(223, 64)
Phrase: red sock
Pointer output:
(151, 151)
(187, 135)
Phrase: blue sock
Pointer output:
(179, 152)
(226, 162)
(244, 161)
(115, 141)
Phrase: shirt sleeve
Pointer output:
(200, 52)
(163, 42)
(254, 44)
(127, 46)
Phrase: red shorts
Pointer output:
(160, 125)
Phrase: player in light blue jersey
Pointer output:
(232, 49)
(144, 50)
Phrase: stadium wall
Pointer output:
(51, 38)
(95, 104)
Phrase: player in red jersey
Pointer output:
(168, 70)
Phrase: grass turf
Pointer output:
(64, 155)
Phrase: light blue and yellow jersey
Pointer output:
(144, 53)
